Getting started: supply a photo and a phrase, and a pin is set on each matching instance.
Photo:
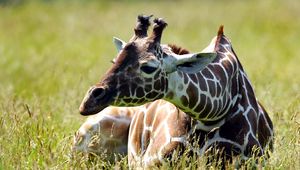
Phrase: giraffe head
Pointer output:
(140, 71)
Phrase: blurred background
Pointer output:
(51, 52)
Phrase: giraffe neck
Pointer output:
(207, 95)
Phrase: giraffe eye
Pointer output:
(148, 69)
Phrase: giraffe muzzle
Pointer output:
(95, 101)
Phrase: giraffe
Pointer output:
(105, 132)
(159, 126)
(210, 86)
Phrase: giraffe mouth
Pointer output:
(91, 106)
(92, 111)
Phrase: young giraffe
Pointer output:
(210, 86)
(159, 127)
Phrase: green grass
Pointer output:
(52, 51)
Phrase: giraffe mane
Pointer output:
(178, 50)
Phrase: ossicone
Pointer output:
(221, 30)
(142, 25)
(159, 26)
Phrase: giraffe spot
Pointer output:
(148, 88)
(193, 77)
(207, 74)
(265, 127)
(218, 90)
(214, 112)
(220, 108)
(228, 67)
(134, 100)
(157, 85)
(149, 80)
(184, 100)
(212, 87)
(139, 92)
(234, 87)
(185, 78)
(142, 100)
(207, 108)
(252, 147)
(156, 76)
(202, 85)
(224, 41)
(151, 95)
(220, 74)
(252, 117)
(137, 80)
(132, 88)
(235, 129)
(160, 96)
(192, 94)
(163, 82)
(127, 100)
(201, 105)
(125, 91)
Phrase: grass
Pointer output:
(52, 51)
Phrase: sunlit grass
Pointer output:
(52, 51)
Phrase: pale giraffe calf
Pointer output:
(108, 131)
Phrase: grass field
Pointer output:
(52, 51)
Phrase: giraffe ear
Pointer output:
(193, 63)
(120, 44)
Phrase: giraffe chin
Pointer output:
(92, 111)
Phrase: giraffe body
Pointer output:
(211, 87)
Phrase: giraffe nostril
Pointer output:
(98, 92)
